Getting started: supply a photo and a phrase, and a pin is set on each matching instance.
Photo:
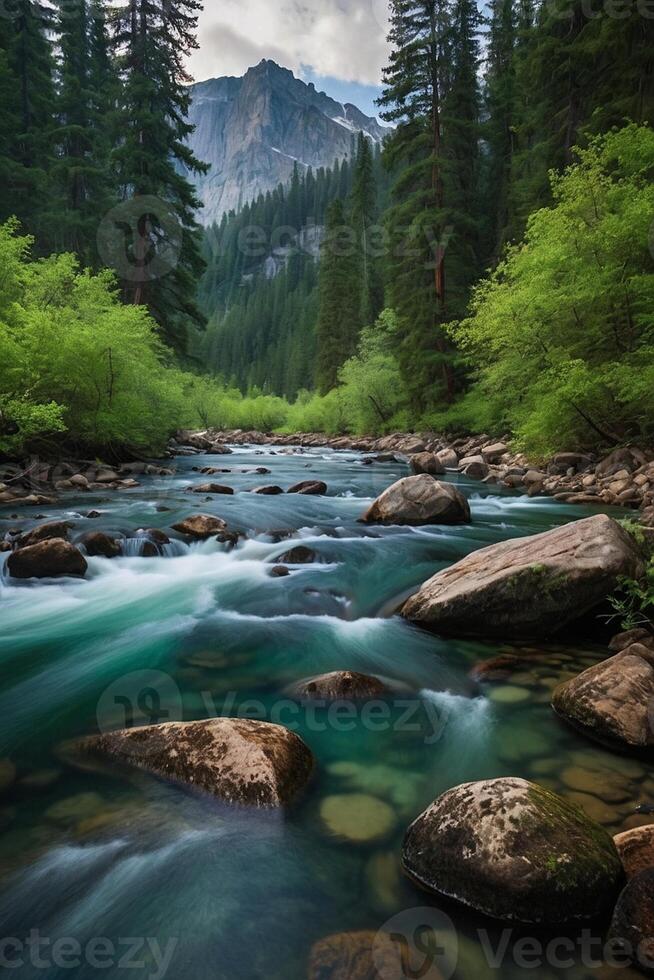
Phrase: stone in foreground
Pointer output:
(200, 526)
(515, 851)
(419, 500)
(51, 558)
(611, 702)
(632, 926)
(528, 587)
(238, 760)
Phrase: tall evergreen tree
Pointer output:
(416, 82)
(364, 205)
(152, 39)
(81, 193)
(30, 67)
(339, 320)
(500, 106)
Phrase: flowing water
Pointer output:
(221, 892)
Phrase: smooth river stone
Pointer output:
(636, 849)
(609, 787)
(509, 694)
(358, 817)
(594, 808)
(7, 774)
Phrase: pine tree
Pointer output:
(500, 105)
(152, 38)
(30, 67)
(364, 215)
(339, 320)
(462, 169)
(418, 220)
(81, 193)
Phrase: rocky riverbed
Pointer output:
(217, 729)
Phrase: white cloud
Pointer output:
(342, 38)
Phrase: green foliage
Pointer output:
(370, 397)
(561, 334)
(633, 604)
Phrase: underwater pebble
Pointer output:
(509, 694)
(607, 786)
(7, 774)
(595, 809)
(72, 809)
(357, 816)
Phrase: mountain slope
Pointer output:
(252, 130)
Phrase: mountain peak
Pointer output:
(254, 129)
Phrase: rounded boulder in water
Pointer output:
(52, 558)
(338, 685)
(200, 526)
(515, 851)
(419, 500)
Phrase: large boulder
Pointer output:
(51, 558)
(237, 759)
(44, 532)
(632, 926)
(419, 500)
(514, 850)
(611, 702)
(346, 685)
(299, 555)
(200, 526)
(528, 587)
(636, 849)
(426, 463)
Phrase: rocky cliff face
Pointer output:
(251, 130)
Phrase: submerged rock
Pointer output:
(313, 488)
(632, 925)
(300, 555)
(200, 526)
(419, 500)
(357, 816)
(636, 849)
(51, 558)
(213, 488)
(426, 463)
(355, 956)
(513, 850)
(339, 685)
(528, 587)
(239, 760)
(611, 702)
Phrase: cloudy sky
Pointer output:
(338, 44)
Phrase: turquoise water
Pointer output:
(202, 630)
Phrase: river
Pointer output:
(202, 630)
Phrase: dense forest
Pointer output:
(491, 268)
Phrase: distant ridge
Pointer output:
(252, 130)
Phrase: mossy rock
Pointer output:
(515, 851)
